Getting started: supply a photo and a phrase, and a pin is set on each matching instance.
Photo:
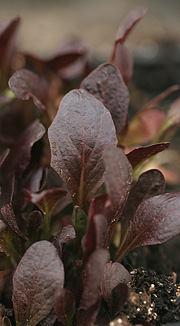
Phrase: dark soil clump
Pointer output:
(153, 298)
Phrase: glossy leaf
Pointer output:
(25, 84)
(113, 275)
(107, 85)
(118, 177)
(156, 220)
(47, 199)
(140, 154)
(64, 305)
(41, 272)
(77, 137)
(144, 127)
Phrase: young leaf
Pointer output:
(45, 200)
(113, 275)
(118, 298)
(41, 272)
(123, 60)
(25, 84)
(9, 241)
(156, 220)
(144, 127)
(129, 22)
(107, 85)
(150, 183)
(64, 305)
(140, 154)
(77, 137)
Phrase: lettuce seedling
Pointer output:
(74, 201)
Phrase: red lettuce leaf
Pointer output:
(123, 60)
(92, 276)
(95, 235)
(34, 223)
(144, 127)
(150, 183)
(118, 299)
(64, 305)
(41, 272)
(77, 137)
(107, 85)
(160, 97)
(129, 22)
(140, 154)
(18, 159)
(118, 176)
(45, 200)
(25, 84)
(156, 220)
(9, 217)
(7, 47)
(114, 274)
(90, 300)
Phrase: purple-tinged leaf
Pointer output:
(18, 159)
(41, 272)
(150, 183)
(140, 154)
(129, 22)
(20, 154)
(107, 85)
(90, 300)
(160, 97)
(101, 204)
(114, 274)
(64, 305)
(7, 47)
(9, 217)
(118, 176)
(144, 127)
(45, 200)
(77, 137)
(156, 220)
(95, 235)
(123, 60)
(25, 84)
(92, 276)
